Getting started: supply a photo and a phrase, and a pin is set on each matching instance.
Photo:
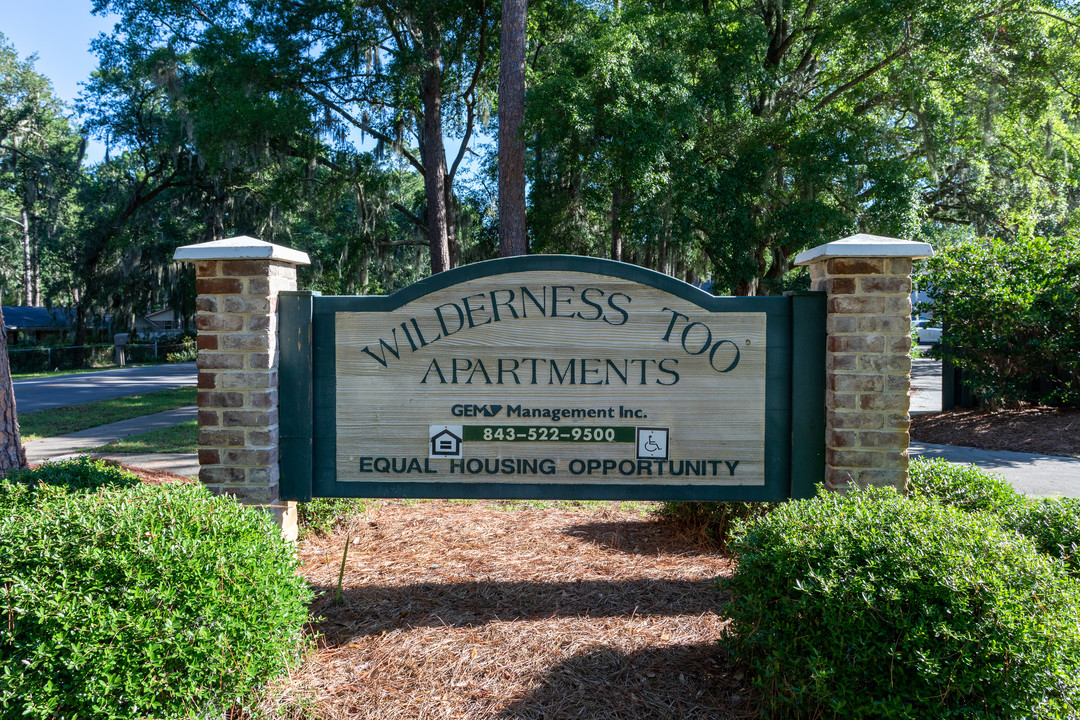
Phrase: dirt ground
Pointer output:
(1042, 430)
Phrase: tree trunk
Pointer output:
(81, 317)
(453, 230)
(616, 230)
(28, 288)
(435, 163)
(780, 265)
(12, 455)
(746, 287)
(512, 232)
(35, 271)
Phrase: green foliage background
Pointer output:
(1011, 316)
(713, 141)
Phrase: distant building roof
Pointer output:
(17, 317)
(164, 314)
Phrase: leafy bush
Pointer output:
(1011, 316)
(82, 473)
(139, 602)
(322, 516)
(1054, 526)
(714, 519)
(185, 350)
(962, 486)
(871, 605)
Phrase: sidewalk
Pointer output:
(66, 446)
(925, 384)
(1035, 475)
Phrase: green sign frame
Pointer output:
(794, 392)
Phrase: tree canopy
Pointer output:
(735, 134)
(711, 140)
(40, 155)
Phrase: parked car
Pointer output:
(926, 333)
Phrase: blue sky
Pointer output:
(59, 31)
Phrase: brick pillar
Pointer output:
(868, 356)
(237, 281)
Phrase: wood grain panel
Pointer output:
(588, 342)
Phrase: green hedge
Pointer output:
(965, 487)
(715, 520)
(871, 605)
(81, 473)
(1011, 316)
(134, 602)
(1053, 524)
(322, 516)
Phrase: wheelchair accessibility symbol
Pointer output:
(652, 443)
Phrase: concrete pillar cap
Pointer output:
(241, 248)
(863, 245)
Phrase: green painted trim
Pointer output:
(295, 395)
(807, 393)
(324, 385)
(551, 263)
(777, 400)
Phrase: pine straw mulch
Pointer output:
(1033, 429)
(155, 477)
(147, 475)
(486, 610)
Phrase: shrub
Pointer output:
(140, 602)
(1009, 313)
(185, 350)
(715, 520)
(1053, 524)
(871, 605)
(962, 486)
(82, 473)
(322, 516)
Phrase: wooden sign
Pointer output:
(548, 377)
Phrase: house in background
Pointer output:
(34, 325)
(158, 324)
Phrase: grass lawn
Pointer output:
(82, 371)
(54, 373)
(63, 420)
(182, 438)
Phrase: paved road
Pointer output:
(61, 390)
(925, 384)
